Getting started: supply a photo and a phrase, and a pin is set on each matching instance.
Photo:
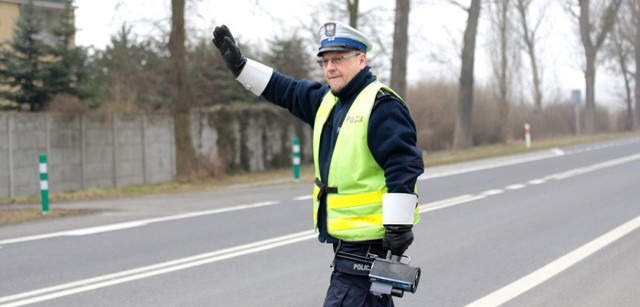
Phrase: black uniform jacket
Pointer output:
(391, 130)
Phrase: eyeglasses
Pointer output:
(336, 60)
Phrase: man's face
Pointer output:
(339, 67)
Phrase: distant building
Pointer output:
(48, 11)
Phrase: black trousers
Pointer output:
(349, 285)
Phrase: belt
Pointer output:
(324, 189)
(352, 263)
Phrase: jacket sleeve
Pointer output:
(392, 141)
(301, 97)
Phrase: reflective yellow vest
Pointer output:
(354, 210)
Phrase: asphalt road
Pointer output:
(550, 228)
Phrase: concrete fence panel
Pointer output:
(95, 150)
(29, 138)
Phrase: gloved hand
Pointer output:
(397, 238)
(231, 54)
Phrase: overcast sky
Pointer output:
(438, 24)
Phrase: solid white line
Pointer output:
(151, 270)
(596, 167)
(537, 277)
(125, 225)
(304, 197)
(210, 212)
(106, 228)
(449, 202)
(554, 153)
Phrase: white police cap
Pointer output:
(337, 36)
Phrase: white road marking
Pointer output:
(449, 202)
(84, 285)
(554, 268)
(553, 153)
(138, 223)
(536, 181)
(492, 192)
(151, 270)
(596, 167)
(106, 228)
(517, 186)
(304, 197)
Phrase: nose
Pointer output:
(330, 65)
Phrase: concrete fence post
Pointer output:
(83, 152)
(143, 144)
(114, 157)
(10, 167)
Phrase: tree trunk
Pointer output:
(504, 76)
(462, 137)
(400, 46)
(591, 50)
(529, 37)
(635, 10)
(352, 8)
(537, 86)
(590, 81)
(619, 51)
(185, 155)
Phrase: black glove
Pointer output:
(231, 54)
(397, 238)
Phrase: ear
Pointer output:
(363, 60)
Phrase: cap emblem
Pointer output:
(330, 30)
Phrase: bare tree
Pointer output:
(620, 52)
(185, 155)
(602, 25)
(529, 38)
(400, 47)
(462, 137)
(504, 58)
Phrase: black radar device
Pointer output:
(392, 277)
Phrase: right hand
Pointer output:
(231, 54)
(397, 238)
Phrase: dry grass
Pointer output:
(16, 215)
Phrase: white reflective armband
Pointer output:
(398, 208)
(255, 76)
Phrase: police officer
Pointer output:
(364, 150)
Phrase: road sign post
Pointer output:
(527, 135)
(44, 183)
(576, 97)
(296, 159)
